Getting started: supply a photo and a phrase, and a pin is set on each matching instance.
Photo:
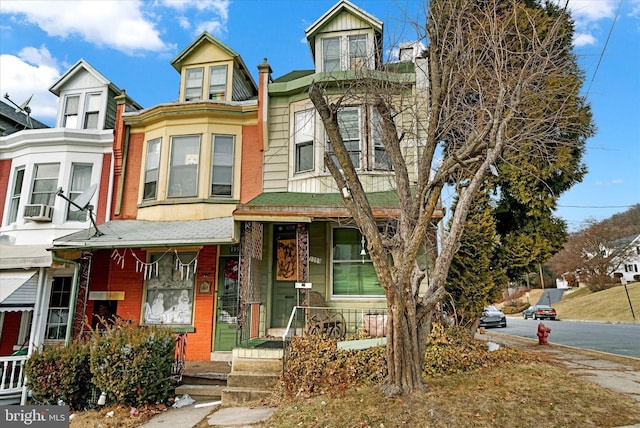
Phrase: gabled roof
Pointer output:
(206, 37)
(342, 5)
(84, 66)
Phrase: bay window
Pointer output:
(183, 166)
(349, 125)
(80, 181)
(18, 180)
(58, 314)
(151, 169)
(222, 165)
(45, 184)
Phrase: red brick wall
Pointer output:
(251, 167)
(128, 209)
(5, 171)
(108, 275)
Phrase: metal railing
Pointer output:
(180, 355)
(358, 323)
(12, 381)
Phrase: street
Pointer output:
(620, 339)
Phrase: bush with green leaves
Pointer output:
(132, 365)
(60, 373)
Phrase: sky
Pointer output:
(132, 43)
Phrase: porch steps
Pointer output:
(204, 380)
(254, 373)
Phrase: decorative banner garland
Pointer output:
(149, 269)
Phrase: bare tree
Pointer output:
(501, 78)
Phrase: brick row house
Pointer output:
(37, 164)
(218, 206)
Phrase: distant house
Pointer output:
(627, 258)
(12, 119)
(38, 164)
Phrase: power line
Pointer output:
(604, 48)
(597, 206)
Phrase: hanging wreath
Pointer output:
(231, 269)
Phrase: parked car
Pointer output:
(539, 312)
(492, 317)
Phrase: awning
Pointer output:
(148, 233)
(18, 290)
(24, 256)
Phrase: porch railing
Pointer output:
(358, 323)
(12, 379)
(180, 355)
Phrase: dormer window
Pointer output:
(92, 112)
(357, 51)
(193, 87)
(71, 112)
(331, 54)
(217, 82)
(349, 52)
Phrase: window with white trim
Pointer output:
(18, 180)
(380, 157)
(80, 181)
(193, 84)
(92, 112)
(151, 169)
(303, 139)
(349, 125)
(217, 82)
(45, 183)
(222, 165)
(71, 107)
(357, 51)
(57, 317)
(183, 167)
(345, 52)
(352, 271)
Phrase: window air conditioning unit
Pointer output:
(38, 212)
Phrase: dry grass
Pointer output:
(122, 417)
(535, 394)
(610, 305)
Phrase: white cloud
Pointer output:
(610, 183)
(583, 39)
(120, 25)
(210, 15)
(32, 72)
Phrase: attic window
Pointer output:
(193, 86)
(93, 111)
(357, 51)
(71, 112)
(217, 82)
(331, 54)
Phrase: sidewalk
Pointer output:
(617, 373)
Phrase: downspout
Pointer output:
(123, 170)
(74, 293)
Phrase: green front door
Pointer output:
(227, 304)
(284, 274)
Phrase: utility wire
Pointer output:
(604, 48)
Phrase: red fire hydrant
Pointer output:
(543, 333)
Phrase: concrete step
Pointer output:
(203, 392)
(205, 379)
(239, 395)
(253, 380)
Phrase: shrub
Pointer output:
(133, 364)
(60, 373)
(316, 366)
